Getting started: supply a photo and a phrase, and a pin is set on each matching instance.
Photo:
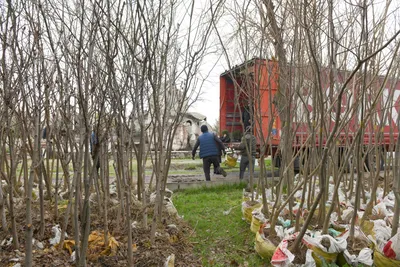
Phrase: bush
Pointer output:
(237, 135)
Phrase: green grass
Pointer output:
(220, 240)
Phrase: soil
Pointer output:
(168, 240)
(147, 254)
(273, 238)
(300, 255)
(355, 246)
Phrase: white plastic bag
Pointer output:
(392, 248)
(325, 248)
(347, 214)
(57, 235)
(380, 209)
(336, 245)
(364, 257)
(382, 233)
(282, 256)
(280, 232)
(310, 262)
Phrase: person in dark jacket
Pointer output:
(247, 115)
(94, 147)
(210, 147)
(248, 151)
(220, 152)
(225, 138)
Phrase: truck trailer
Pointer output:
(252, 87)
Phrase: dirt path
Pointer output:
(232, 176)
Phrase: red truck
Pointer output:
(256, 82)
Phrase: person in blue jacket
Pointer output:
(210, 147)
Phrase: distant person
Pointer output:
(44, 133)
(247, 115)
(248, 151)
(210, 149)
(220, 152)
(225, 138)
(94, 147)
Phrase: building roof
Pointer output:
(196, 116)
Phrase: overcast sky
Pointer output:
(208, 104)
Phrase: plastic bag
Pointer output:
(282, 256)
(382, 233)
(230, 161)
(347, 214)
(285, 224)
(334, 232)
(167, 195)
(247, 209)
(381, 260)
(257, 219)
(310, 262)
(172, 211)
(335, 245)
(380, 209)
(341, 195)
(364, 257)
(57, 235)
(392, 248)
(264, 248)
(280, 232)
(325, 248)
(248, 195)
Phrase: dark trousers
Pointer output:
(216, 170)
(207, 164)
(244, 163)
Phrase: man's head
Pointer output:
(204, 128)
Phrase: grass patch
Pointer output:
(190, 167)
(220, 240)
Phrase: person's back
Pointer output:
(248, 144)
(248, 152)
(247, 116)
(207, 145)
(210, 147)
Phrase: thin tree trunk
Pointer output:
(106, 184)
(56, 186)
(396, 184)
(35, 163)
(85, 230)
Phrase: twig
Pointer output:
(194, 228)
